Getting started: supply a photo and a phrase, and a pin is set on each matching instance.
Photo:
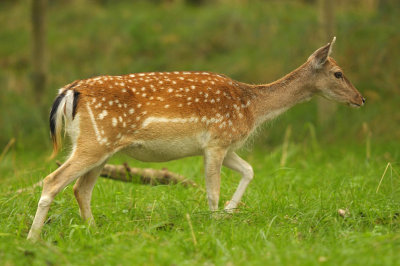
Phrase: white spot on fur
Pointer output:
(103, 114)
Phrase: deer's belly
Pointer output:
(161, 150)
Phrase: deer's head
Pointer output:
(328, 78)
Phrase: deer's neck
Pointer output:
(275, 98)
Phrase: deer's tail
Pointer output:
(63, 109)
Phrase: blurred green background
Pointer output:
(250, 41)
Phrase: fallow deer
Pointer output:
(162, 116)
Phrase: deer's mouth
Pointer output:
(357, 105)
(354, 105)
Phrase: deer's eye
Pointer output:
(338, 75)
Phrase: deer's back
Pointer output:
(181, 112)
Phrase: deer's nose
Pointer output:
(363, 100)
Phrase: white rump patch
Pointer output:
(68, 104)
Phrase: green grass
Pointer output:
(289, 214)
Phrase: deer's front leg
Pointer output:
(234, 162)
(213, 159)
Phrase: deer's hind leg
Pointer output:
(79, 164)
(83, 189)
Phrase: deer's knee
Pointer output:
(45, 201)
(248, 172)
(50, 188)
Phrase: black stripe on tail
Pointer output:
(52, 118)
(75, 103)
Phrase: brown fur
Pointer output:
(129, 100)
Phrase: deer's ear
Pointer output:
(319, 57)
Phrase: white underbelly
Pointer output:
(161, 150)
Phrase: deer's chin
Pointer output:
(353, 105)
